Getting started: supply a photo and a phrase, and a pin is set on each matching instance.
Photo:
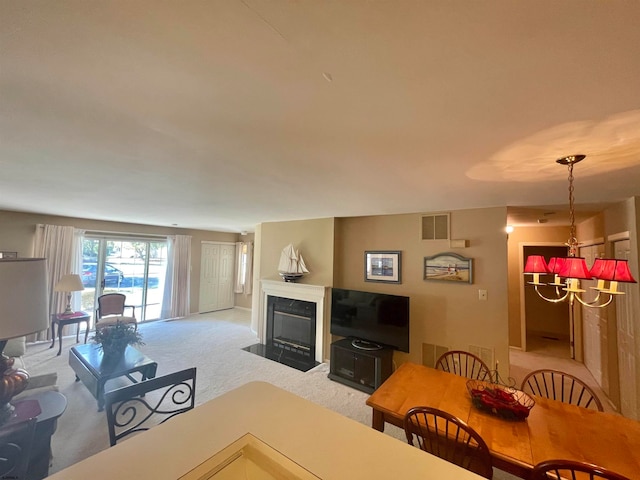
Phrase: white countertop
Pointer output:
(325, 443)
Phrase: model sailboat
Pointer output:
(291, 266)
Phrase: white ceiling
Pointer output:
(220, 115)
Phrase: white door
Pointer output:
(625, 333)
(592, 324)
(216, 276)
(226, 276)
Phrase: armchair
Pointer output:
(111, 307)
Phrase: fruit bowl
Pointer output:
(505, 402)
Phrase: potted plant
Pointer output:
(113, 339)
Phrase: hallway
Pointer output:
(553, 354)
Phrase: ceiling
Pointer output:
(220, 115)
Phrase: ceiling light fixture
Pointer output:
(568, 271)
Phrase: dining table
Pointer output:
(552, 430)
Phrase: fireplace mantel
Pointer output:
(297, 291)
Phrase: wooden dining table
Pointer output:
(553, 429)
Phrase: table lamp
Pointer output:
(69, 283)
(23, 310)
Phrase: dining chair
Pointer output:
(15, 447)
(464, 364)
(561, 386)
(572, 470)
(140, 406)
(449, 438)
(111, 308)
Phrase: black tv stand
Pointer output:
(360, 368)
(365, 345)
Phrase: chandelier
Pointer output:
(568, 271)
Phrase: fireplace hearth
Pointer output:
(290, 333)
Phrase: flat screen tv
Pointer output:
(371, 318)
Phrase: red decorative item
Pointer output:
(505, 402)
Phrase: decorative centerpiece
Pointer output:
(114, 339)
(505, 401)
(291, 266)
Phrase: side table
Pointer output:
(52, 406)
(63, 320)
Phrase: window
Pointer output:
(244, 252)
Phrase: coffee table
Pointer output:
(87, 362)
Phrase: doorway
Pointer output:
(546, 328)
(134, 267)
(217, 270)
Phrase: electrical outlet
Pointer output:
(482, 294)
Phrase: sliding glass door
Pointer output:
(134, 267)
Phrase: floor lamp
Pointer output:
(24, 310)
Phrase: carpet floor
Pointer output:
(213, 343)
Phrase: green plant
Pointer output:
(116, 337)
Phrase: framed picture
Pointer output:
(382, 267)
(8, 254)
(448, 267)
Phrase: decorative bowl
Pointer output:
(505, 402)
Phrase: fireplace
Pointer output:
(292, 320)
(291, 327)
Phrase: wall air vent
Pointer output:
(431, 353)
(435, 226)
(486, 354)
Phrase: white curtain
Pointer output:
(177, 289)
(244, 268)
(59, 245)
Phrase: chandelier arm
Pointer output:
(593, 303)
(552, 300)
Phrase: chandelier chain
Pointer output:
(573, 241)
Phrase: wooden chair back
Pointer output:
(15, 447)
(112, 304)
(464, 364)
(449, 438)
(561, 386)
(140, 406)
(572, 470)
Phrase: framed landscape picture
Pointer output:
(448, 267)
(382, 266)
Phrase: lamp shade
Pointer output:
(616, 271)
(24, 301)
(536, 264)
(555, 265)
(69, 283)
(598, 267)
(575, 267)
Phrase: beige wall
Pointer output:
(17, 233)
(441, 313)
(312, 238)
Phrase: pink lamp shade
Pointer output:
(616, 271)
(575, 267)
(555, 264)
(597, 268)
(536, 264)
